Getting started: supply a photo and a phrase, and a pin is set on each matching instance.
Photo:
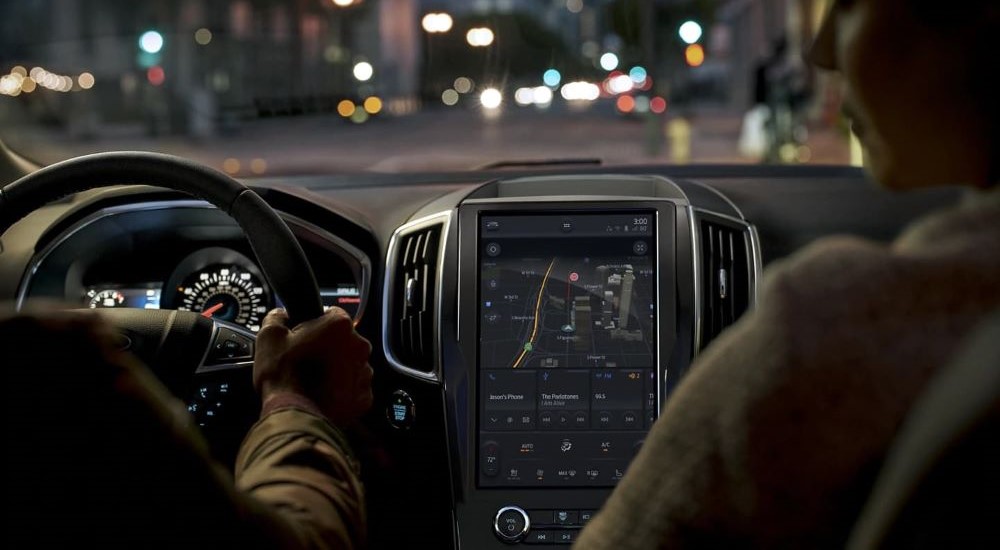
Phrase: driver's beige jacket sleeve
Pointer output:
(300, 466)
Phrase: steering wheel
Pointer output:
(178, 345)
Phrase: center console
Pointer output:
(567, 319)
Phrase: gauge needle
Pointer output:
(208, 312)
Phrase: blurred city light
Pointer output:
(694, 55)
(155, 75)
(580, 91)
(625, 104)
(539, 95)
(690, 32)
(638, 74)
(658, 105)
(524, 96)
(86, 81)
(203, 36)
(479, 37)
(609, 61)
(373, 105)
(363, 71)
(343, 3)
(359, 116)
(19, 81)
(346, 108)
(151, 42)
(641, 104)
(619, 84)
(574, 6)
(449, 97)
(491, 98)
(231, 166)
(258, 166)
(463, 85)
(437, 22)
(9, 85)
(551, 78)
(542, 95)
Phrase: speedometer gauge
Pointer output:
(226, 292)
(105, 298)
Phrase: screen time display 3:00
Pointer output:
(567, 346)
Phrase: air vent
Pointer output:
(727, 275)
(412, 298)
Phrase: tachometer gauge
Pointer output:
(225, 292)
(105, 298)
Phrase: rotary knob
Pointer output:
(511, 524)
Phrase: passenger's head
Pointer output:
(919, 86)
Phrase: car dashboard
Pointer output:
(530, 325)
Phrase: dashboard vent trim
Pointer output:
(412, 300)
(727, 269)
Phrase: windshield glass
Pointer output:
(265, 87)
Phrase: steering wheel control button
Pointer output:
(401, 411)
(230, 346)
(511, 524)
(207, 402)
(490, 458)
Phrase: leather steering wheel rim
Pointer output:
(280, 255)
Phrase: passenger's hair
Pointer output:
(955, 17)
(941, 14)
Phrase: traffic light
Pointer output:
(694, 55)
(150, 47)
(691, 32)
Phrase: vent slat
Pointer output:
(725, 293)
(415, 278)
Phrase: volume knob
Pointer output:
(511, 524)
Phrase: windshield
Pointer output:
(266, 87)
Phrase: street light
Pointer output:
(609, 61)
(437, 22)
(479, 37)
(491, 98)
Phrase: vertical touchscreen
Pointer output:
(567, 346)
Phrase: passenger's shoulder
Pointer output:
(829, 267)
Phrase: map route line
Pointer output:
(538, 307)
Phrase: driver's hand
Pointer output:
(323, 359)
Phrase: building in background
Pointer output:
(204, 66)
